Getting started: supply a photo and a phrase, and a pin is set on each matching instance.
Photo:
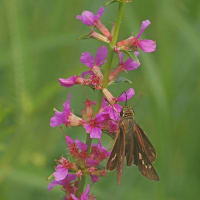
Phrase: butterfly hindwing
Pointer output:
(141, 160)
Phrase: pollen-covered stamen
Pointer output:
(93, 123)
(73, 149)
(95, 80)
(67, 164)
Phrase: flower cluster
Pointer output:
(107, 117)
(68, 174)
(85, 158)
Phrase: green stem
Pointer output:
(113, 43)
(105, 83)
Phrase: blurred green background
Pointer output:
(38, 45)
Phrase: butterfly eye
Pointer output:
(121, 113)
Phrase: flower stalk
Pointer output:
(113, 43)
(86, 157)
(106, 78)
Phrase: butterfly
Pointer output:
(132, 143)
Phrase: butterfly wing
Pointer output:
(145, 143)
(141, 158)
(116, 158)
(113, 159)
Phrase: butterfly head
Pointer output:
(127, 112)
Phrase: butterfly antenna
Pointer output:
(126, 99)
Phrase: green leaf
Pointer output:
(121, 79)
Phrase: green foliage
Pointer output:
(39, 44)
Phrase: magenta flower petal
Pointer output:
(94, 178)
(126, 95)
(130, 64)
(100, 118)
(52, 184)
(91, 162)
(57, 119)
(61, 117)
(101, 149)
(60, 173)
(69, 140)
(85, 194)
(87, 59)
(87, 73)
(113, 126)
(117, 107)
(100, 12)
(101, 54)
(68, 179)
(147, 45)
(87, 18)
(66, 105)
(82, 146)
(112, 112)
(73, 197)
(87, 127)
(95, 133)
(93, 127)
(68, 82)
(144, 25)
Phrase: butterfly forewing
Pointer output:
(146, 144)
(116, 158)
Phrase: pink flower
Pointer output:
(77, 148)
(94, 126)
(113, 126)
(73, 80)
(126, 95)
(88, 60)
(97, 155)
(113, 111)
(94, 75)
(129, 64)
(81, 146)
(94, 178)
(145, 45)
(66, 116)
(61, 117)
(84, 195)
(89, 18)
(68, 82)
(62, 169)
(60, 173)
(93, 20)
(132, 43)
(66, 182)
